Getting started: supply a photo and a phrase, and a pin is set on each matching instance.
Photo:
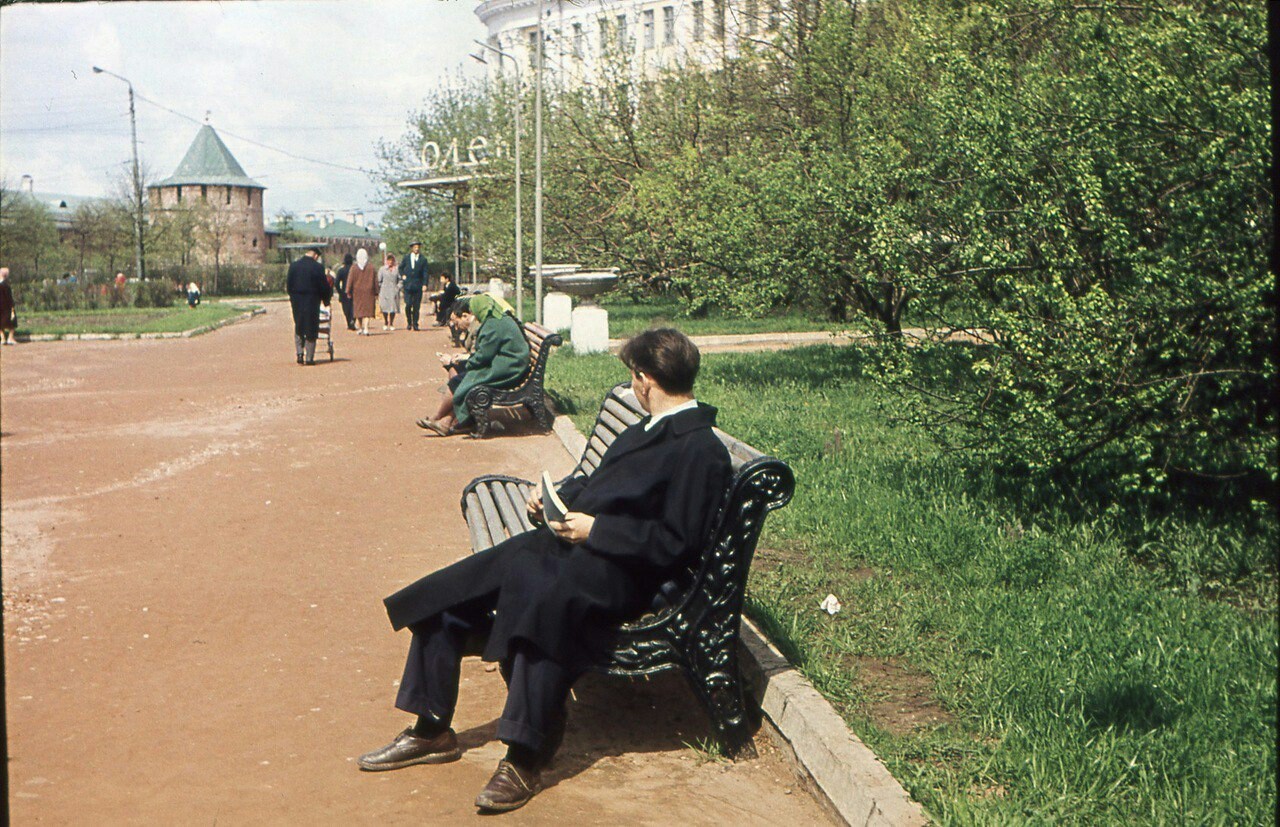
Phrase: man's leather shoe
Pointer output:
(409, 748)
(510, 788)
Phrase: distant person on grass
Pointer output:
(500, 360)
(8, 309)
(308, 289)
(561, 590)
(193, 294)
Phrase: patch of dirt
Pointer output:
(903, 699)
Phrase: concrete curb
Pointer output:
(846, 775)
(102, 337)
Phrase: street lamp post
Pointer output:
(537, 175)
(137, 178)
(515, 107)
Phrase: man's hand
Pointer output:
(446, 359)
(534, 507)
(575, 528)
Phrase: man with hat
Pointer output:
(414, 269)
(308, 289)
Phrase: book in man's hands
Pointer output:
(553, 508)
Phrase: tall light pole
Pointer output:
(537, 176)
(137, 178)
(515, 108)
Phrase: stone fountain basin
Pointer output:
(585, 284)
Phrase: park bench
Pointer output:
(693, 623)
(529, 394)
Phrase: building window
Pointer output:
(650, 38)
(717, 24)
(604, 35)
(752, 15)
(228, 195)
(255, 242)
(696, 7)
(775, 14)
(579, 41)
(179, 195)
(248, 197)
(623, 40)
(533, 49)
(668, 25)
(204, 192)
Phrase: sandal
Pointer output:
(433, 426)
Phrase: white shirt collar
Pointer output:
(684, 406)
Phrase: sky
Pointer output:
(322, 79)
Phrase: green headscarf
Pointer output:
(483, 307)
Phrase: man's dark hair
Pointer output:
(348, 259)
(666, 355)
(459, 307)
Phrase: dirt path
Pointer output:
(196, 537)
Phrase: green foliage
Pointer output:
(1083, 188)
(47, 296)
(1094, 667)
(125, 320)
(28, 238)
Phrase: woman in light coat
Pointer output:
(389, 281)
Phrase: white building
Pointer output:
(582, 36)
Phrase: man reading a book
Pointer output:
(545, 604)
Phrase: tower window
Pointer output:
(179, 194)
(668, 25)
(698, 21)
(650, 39)
(228, 195)
(204, 192)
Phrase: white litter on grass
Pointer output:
(830, 604)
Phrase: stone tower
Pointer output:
(210, 177)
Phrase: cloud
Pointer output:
(318, 78)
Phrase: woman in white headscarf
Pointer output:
(389, 280)
(362, 287)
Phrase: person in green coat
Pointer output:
(500, 359)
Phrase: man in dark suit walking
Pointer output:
(414, 269)
(308, 289)
(546, 603)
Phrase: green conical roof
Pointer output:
(208, 161)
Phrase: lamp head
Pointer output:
(97, 70)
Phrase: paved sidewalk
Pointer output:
(196, 537)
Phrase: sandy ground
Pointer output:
(196, 538)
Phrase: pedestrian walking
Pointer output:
(362, 289)
(340, 284)
(308, 289)
(414, 269)
(8, 308)
(389, 282)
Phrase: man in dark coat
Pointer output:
(308, 289)
(340, 285)
(561, 590)
(414, 269)
(445, 298)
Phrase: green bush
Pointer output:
(48, 295)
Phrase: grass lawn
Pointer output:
(1011, 657)
(627, 318)
(125, 319)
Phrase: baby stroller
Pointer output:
(326, 329)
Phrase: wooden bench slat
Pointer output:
(519, 495)
(491, 517)
(621, 413)
(510, 514)
(480, 537)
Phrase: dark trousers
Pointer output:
(412, 306)
(537, 688)
(347, 312)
